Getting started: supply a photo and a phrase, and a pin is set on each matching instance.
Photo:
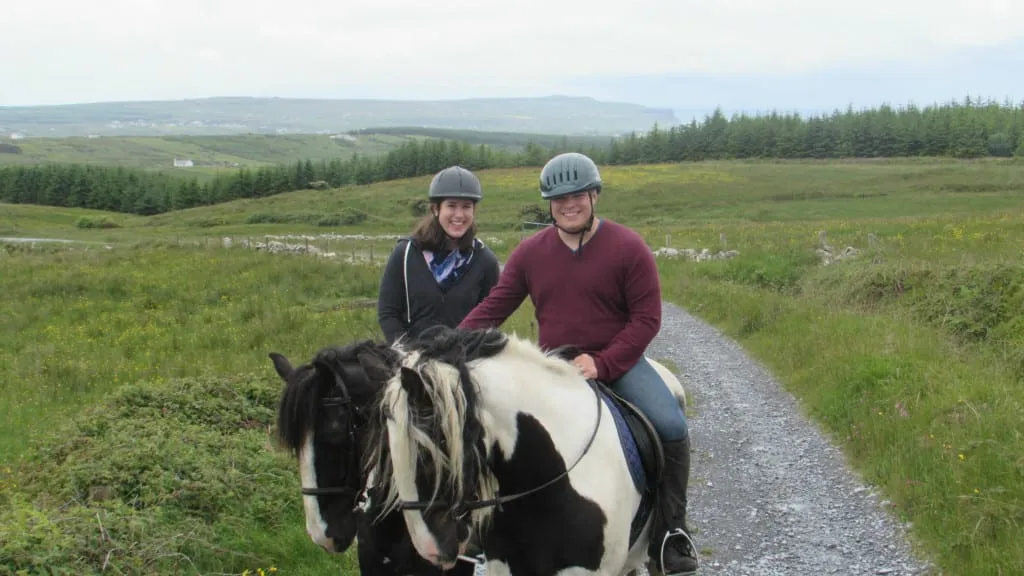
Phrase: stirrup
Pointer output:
(661, 555)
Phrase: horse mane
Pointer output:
(558, 360)
(455, 346)
(566, 352)
(300, 399)
(439, 356)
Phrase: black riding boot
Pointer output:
(671, 547)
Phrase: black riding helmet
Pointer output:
(569, 173)
(455, 182)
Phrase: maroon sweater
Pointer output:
(606, 301)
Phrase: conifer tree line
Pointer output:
(968, 129)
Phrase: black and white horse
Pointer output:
(486, 435)
(322, 417)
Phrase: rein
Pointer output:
(462, 507)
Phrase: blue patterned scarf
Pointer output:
(448, 267)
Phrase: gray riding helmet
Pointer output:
(456, 182)
(569, 173)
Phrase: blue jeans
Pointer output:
(642, 386)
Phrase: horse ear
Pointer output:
(413, 384)
(282, 365)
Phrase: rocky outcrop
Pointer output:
(830, 255)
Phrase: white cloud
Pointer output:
(66, 50)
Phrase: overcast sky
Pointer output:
(65, 51)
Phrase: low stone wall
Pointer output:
(701, 255)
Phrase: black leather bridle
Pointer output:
(351, 485)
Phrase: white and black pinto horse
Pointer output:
(487, 435)
(322, 418)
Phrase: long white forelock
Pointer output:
(449, 401)
(395, 405)
(487, 485)
(382, 468)
(443, 387)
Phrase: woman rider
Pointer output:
(442, 270)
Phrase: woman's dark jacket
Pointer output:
(429, 303)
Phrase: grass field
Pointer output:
(909, 353)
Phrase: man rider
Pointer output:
(594, 285)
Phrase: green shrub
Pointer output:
(975, 302)
(535, 213)
(419, 206)
(344, 218)
(153, 479)
(102, 222)
(207, 222)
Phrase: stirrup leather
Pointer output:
(661, 555)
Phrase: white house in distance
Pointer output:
(183, 163)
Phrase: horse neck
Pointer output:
(522, 381)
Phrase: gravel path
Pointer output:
(768, 492)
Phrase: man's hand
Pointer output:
(585, 364)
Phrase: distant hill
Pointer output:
(203, 152)
(224, 116)
(210, 154)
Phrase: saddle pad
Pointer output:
(629, 446)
